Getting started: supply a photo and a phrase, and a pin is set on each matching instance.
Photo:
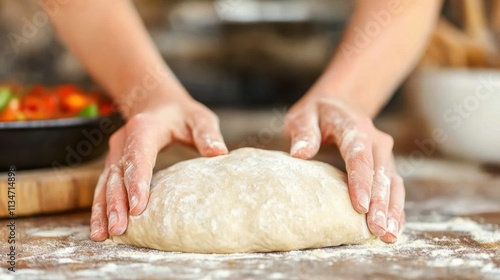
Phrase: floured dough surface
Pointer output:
(251, 200)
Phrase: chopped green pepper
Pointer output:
(90, 111)
(5, 97)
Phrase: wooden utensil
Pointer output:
(473, 47)
(482, 46)
(495, 16)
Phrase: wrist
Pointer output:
(332, 93)
(359, 100)
(147, 96)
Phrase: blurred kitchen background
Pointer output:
(226, 52)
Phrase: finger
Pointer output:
(145, 138)
(116, 144)
(115, 209)
(395, 220)
(116, 200)
(303, 131)
(98, 220)
(351, 136)
(377, 216)
(206, 134)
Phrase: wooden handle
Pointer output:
(495, 16)
(474, 18)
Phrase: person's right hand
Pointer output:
(124, 185)
(375, 187)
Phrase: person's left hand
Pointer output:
(374, 185)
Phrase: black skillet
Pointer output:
(55, 143)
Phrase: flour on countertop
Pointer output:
(53, 232)
(118, 260)
(482, 234)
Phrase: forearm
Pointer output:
(377, 52)
(110, 40)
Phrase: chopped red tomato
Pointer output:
(37, 107)
(44, 103)
(105, 109)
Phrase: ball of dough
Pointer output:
(250, 200)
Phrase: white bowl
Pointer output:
(460, 109)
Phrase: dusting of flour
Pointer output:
(107, 259)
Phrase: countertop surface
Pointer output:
(452, 230)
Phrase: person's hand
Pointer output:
(123, 187)
(375, 187)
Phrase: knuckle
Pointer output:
(361, 161)
(357, 146)
(208, 115)
(386, 139)
(403, 194)
(114, 169)
(365, 122)
(136, 122)
(115, 179)
(130, 158)
(133, 163)
(290, 121)
(133, 188)
(297, 123)
(396, 211)
(114, 140)
(358, 180)
(380, 202)
(98, 207)
(102, 178)
(398, 181)
(114, 202)
(202, 117)
(129, 166)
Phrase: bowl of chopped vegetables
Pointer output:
(53, 126)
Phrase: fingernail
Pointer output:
(393, 227)
(299, 145)
(380, 219)
(364, 201)
(113, 219)
(134, 200)
(215, 148)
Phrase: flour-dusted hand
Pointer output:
(158, 109)
(124, 185)
(362, 75)
(375, 187)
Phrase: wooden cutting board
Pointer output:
(43, 191)
(50, 190)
